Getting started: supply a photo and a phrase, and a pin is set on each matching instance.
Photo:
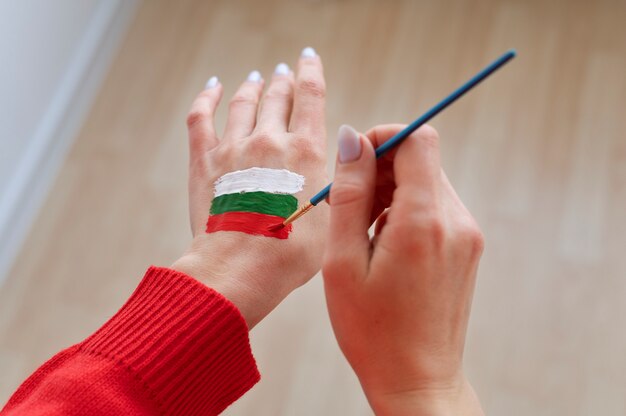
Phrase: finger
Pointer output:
(200, 120)
(309, 96)
(467, 230)
(381, 133)
(378, 228)
(380, 222)
(276, 104)
(417, 160)
(454, 206)
(417, 170)
(450, 194)
(385, 179)
(352, 194)
(243, 107)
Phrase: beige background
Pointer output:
(538, 153)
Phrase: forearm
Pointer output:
(175, 347)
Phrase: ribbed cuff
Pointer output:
(187, 344)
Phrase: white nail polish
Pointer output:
(254, 76)
(308, 52)
(348, 144)
(281, 69)
(211, 83)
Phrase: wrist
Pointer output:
(236, 291)
(457, 399)
(231, 271)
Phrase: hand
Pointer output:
(286, 132)
(400, 304)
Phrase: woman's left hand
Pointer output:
(281, 129)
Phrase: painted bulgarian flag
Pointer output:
(254, 200)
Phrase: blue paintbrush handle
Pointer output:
(399, 137)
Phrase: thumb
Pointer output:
(351, 200)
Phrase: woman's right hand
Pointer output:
(400, 303)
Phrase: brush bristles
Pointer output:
(298, 213)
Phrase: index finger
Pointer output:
(309, 96)
(416, 164)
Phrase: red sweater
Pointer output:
(176, 347)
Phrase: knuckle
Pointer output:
(311, 86)
(345, 192)
(478, 243)
(278, 92)
(277, 96)
(471, 236)
(436, 225)
(243, 98)
(425, 234)
(195, 117)
(262, 144)
(428, 134)
(434, 230)
(307, 149)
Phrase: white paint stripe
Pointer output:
(276, 181)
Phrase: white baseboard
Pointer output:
(74, 96)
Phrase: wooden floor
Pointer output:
(538, 153)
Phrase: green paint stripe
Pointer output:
(281, 205)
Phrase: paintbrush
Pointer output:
(399, 137)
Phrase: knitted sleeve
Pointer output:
(176, 347)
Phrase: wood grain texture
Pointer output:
(538, 153)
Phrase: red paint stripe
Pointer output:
(248, 222)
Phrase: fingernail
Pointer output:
(349, 144)
(254, 76)
(211, 83)
(281, 69)
(308, 52)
